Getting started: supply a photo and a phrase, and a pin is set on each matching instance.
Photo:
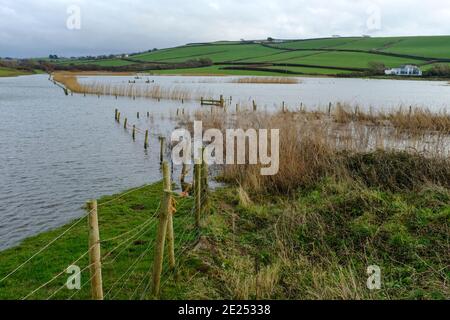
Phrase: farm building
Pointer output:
(405, 70)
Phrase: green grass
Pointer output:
(103, 63)
(436, 47)
(305, 52)
(217, 53)
(351, 60)
(115, 219)
(318, 244)
(8, 72)
(313, 244)
(317, 43)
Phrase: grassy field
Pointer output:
(8, 72)
(391, 51)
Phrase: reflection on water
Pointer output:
(58, 151)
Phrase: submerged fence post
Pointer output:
(146, 140)
(134, 132)
(94, 252)
(125, 123)
(115, 114)
(162, 230)
(137, 115)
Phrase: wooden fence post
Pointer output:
(125, 123)
(137, 115)
(204, 187)
(115, 114)
(161, 149)
(197, 193)
(94, 252)
(134, 132)
(118, 117)
(184, 173)
(146, 140)
(162, 231)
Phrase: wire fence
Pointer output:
(128, 257)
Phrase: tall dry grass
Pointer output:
(70, 81)
(412, 120)
(312, 148)
(267, 80)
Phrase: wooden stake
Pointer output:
(162, 230)
(138, 115)
(197, 194)
(94, 252)
(170, 235)
(134, 132)
(204, 187)
(184, 173)
(146, 140)
(161, 149)
(118, 117)
(125, 123)
(115, 114)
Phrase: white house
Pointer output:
(405, 70)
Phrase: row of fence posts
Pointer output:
(165, 232)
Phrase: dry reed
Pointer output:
(267, 80)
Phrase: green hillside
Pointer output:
(328, 56)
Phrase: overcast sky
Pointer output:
(40, 27)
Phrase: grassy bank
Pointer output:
(314, 243)
(9, 72)
(134, 211)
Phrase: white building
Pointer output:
(405, 70)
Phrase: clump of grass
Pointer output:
(267, 80)
(318, 243)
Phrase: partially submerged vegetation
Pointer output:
(145, 90)
(267, 80)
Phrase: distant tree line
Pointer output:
(194, 63)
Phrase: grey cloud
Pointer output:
(37, 28)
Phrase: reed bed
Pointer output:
(267, 80)
(313, 147)
(153, 91)
(412, 120)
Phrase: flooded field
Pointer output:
(58, 151)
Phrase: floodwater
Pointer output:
(58, 151)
